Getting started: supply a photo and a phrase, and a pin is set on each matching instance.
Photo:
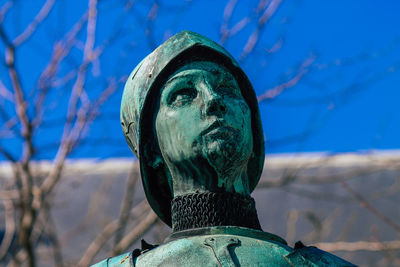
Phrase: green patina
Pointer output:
(203, 117)
(190, 115)
(194, 57)
(226, 246)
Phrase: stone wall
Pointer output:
(346, 204)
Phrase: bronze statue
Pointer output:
(190, 115)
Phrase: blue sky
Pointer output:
(348, 101)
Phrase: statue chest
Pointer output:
(224, 246)
(216, 250)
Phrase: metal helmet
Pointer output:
(139, 102)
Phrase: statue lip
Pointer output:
(217, 128)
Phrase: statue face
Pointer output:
(202, 117)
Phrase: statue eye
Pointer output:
(182, 96)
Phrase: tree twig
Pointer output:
(358, 246)
(30, 29)
(9, 228)
(138, 231)
(107, 232)
(369, 207)
(279, 89)
(126, 205)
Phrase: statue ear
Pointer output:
(157, 161)
(153, 156)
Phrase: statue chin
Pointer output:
(226, 155)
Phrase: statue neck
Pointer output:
(200, 176)
(208, 209)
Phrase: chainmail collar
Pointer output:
(213, 209)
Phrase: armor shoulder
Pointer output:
(312, 256)
(124, 260)
(128, 259)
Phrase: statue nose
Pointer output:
(215, 106)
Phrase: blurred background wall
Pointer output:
(346, 204)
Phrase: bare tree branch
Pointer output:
(369, 207)
(126, 205)
(60, 50)
(68, 136)
(7, 5)
(5, 93)
(28, 213)
(110, 230)
(30, 29)
(262, 21)
(10, 228)
(138, 231)
(279, 89)
(52, 234)
(224, 31)
(292, 219)
(7, 155)
(358, 246)
(9, 194)
(19, 99)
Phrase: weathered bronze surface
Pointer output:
(190, 115)
(142, 103)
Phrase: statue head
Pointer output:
(203, 128)
(190, 115)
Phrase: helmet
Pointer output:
(139, 102)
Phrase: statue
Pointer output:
(190, 115)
